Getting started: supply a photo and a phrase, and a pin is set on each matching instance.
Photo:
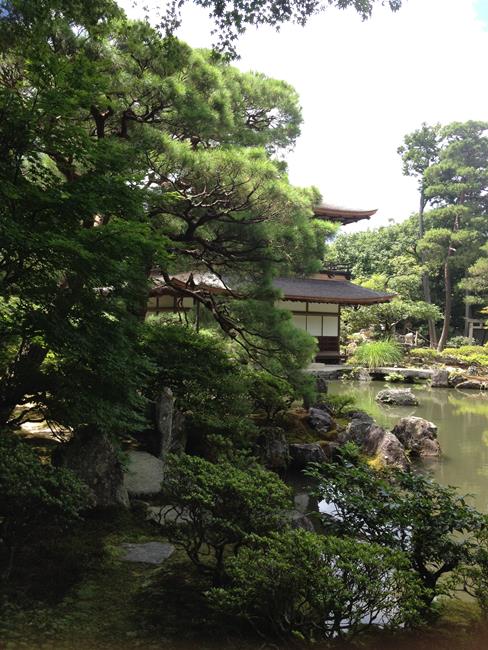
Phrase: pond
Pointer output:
(462, 421)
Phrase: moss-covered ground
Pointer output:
(79, 595)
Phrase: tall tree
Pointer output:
(457, 186)
(122, 151)
(419, 151)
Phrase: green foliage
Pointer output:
(216, 507)
(394, 377)
(122, 152)
(36, 499)
(339, 405)
(472, 355)
(384, 317)
(271, 396)
(464, 355)
(378, 353)
(459, 341)
(198, 366)
(316, 587)
(404, 511)
(427, 354)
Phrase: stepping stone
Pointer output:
(147, 553)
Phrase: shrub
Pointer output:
(435, 527)
(216, 507)
(472, 355)
(316, 587)
(378, 353)
(209, 384)
(271, 396)
(35, 499)
(339, 405)
(459, 341)
(394, 377)
(425, 354)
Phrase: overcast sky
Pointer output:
(363, 85)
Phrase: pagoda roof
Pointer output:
(331, 212)
(321, 288)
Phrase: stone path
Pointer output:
(147, 553)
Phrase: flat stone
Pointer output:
(144, 473)
(147, 553)
(407, 373)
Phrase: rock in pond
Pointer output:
(305, 453)
(363, 375)
(473, 384)
(148, 552)
(397, 397)
(144, 474)
(374, 441)
(390, 451)
(418, 436)
(440, 378)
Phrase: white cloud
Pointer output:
(363, 85)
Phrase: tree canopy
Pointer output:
(437, 257)
(123, 152)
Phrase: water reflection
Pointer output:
(462, 420)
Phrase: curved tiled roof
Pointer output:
(340, 213)
(337, 290)
(340, 292)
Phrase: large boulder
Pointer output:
(320, 420)
(357, 429)
(374, 441)
(390, 451)
(397, 397)
(95, 460)
(418, 436)
(144, 474)
(305, 453)
(273, 448)
(440, 378)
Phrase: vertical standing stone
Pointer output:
(164, 420)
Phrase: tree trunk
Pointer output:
(425, 276)
(467, 314)
(447, 306)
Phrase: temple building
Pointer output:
(314, 301)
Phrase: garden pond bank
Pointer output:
(462, 421)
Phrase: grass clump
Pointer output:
(378, 353)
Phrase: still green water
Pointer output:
(462, 421)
